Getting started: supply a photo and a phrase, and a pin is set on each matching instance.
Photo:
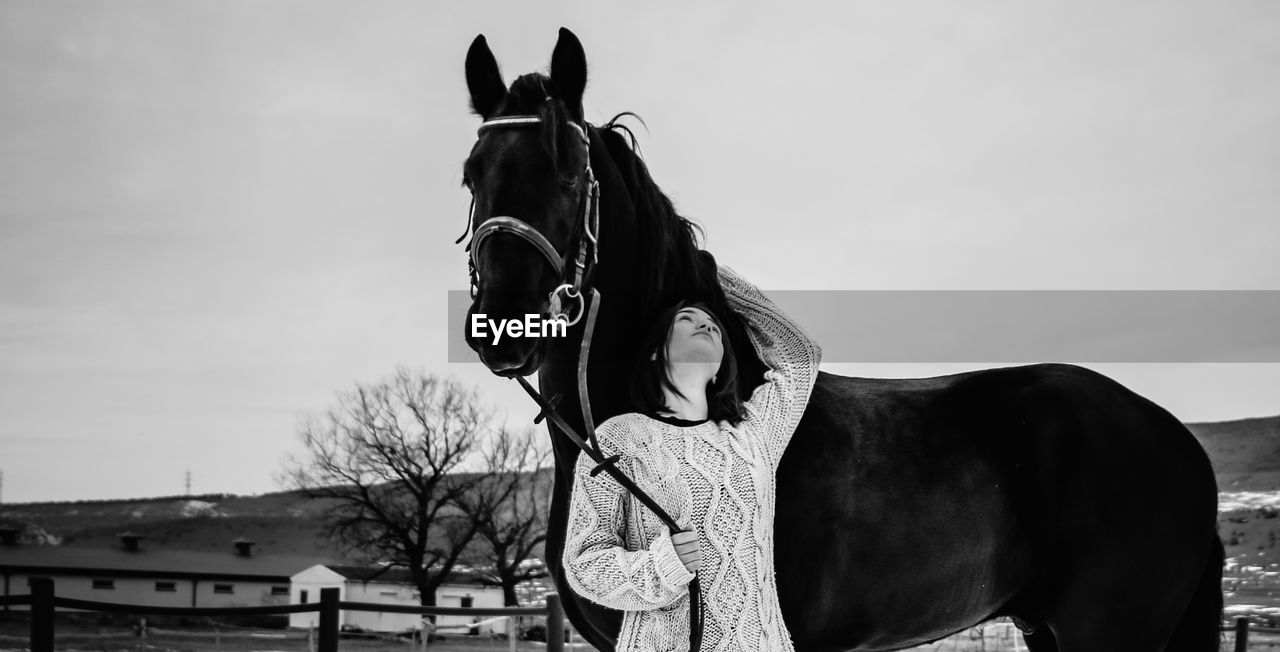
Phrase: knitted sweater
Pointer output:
(715, 478)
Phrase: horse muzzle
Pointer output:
(505, 342)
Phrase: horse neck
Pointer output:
(618, 326)
(626, 305)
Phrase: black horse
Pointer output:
(907, 510)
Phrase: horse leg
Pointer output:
(1099, 615)
(1200, 628)
(1041, 640)
(1111, 606)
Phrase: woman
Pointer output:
(710, 461)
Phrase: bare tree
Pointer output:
(509, 508)
(388, 456)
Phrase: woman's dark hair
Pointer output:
(650, 376)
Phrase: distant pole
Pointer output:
(188, 481)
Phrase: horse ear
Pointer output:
(484, 80)
(569, 71)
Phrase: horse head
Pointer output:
(531, 182)
(544, 185)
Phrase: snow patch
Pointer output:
(1241, 609)
(198, 508)
(1240, 500)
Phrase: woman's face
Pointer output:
(695, 339)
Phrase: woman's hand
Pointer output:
(687, 549)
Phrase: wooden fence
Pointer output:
(43, 604)
(1242, 629)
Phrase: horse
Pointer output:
(912, 508)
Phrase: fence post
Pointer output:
(328, 620)
(512, 631)
(41, 613)
(1242, 634)
(555, 624)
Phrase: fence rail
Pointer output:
(117, 608)
(44, 604)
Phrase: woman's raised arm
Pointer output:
(792, 358)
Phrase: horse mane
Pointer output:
(674, 267)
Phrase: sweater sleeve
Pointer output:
(775, 407)
(597, 564)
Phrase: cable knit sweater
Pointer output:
(715, 478)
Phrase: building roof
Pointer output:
(399, 575)
(116, 562)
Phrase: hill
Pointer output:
(1246, 458)
(284, 523)
(1245, 452)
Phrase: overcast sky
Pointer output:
(215, 215)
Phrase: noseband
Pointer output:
(588, 243)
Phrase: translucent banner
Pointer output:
(1120, 326)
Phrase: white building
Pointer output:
(134, 574)
(392, 586)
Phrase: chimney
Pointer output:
(9, 536)
(244, 547)
(129, 541)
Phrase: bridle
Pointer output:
(588, 243)
(575, 280)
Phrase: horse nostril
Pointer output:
(501, 366)
(505, 361)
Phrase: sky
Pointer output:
(215, 216)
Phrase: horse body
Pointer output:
(1007, 491)
(884, 487)
(906, 509)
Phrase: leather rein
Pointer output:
(572, 289)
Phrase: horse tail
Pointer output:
(1200, 629)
